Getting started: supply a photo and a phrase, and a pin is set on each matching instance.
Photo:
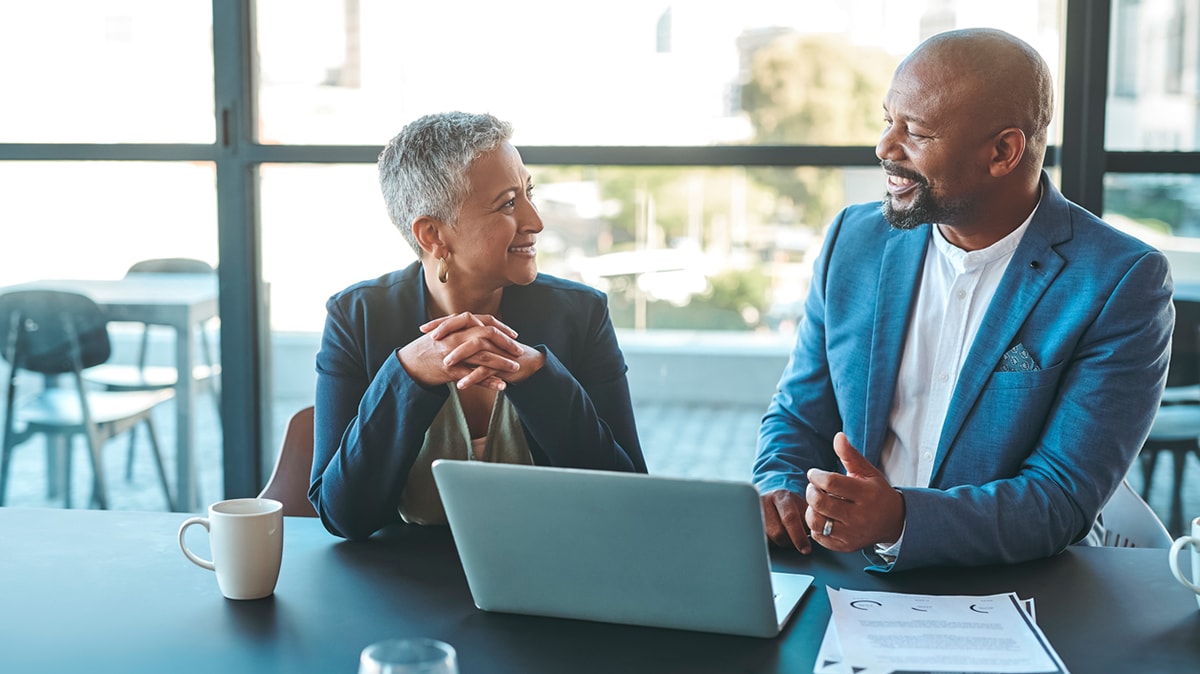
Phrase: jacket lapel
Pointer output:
(899, 280)
(1033, 267)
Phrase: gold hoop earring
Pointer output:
(443, 270)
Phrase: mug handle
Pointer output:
(199, 561)
(1176, 547)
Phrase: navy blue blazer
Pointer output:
(1026, 459)
(371, 417)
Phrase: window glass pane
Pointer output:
(1154, 84)
(693, 248)
(95, 219)
(1162, 209)
(127, 71)
(626, 72)
(81, 226)
(675, 248)
(324, 228)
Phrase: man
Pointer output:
(980, 359)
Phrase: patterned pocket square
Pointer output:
(1017, 359)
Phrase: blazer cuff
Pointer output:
(775, 481)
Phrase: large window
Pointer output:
(688, 155)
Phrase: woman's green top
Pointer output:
(449, 438)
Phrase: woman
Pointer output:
(468, 353)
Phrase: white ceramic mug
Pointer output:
(1177, 547)
(246, 539)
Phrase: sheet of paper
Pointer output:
(877, 632)
(830, 659)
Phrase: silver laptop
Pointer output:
(616, 547)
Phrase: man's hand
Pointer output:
(783, 513)
(858, 509)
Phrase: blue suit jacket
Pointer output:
(371, 416)
(1025, 460)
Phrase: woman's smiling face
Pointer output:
(493, 243)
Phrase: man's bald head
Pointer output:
(1005, 79)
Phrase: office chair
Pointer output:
(1176, 428)
(58, 335)
(1129, 522)
(289, 480)
(143, 377)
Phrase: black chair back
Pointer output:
(1184, 369)
(52, 332)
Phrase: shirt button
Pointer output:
(962, 294)
(927, 456)
(943, 377)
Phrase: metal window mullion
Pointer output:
(246, 399)
(1085, 98)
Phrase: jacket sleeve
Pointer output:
(581, 416)
(798, 428)
(359, 473)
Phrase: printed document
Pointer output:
(880, 632)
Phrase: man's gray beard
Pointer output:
(902, 220)
(923, 210)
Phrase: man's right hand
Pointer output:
(783, 514)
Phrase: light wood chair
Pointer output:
(1129, 522)
(289, 480)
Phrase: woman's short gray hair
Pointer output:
(423, 170)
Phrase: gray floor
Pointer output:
(703, 441)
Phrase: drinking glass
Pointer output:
(408, 656)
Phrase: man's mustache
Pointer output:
(895, 169)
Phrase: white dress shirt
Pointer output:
(956, 289)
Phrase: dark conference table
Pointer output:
(109, 591)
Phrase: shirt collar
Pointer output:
(964, 261)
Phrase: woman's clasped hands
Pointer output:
(471, 350)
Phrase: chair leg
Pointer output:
(129, 457)
(99, 486)
(216, 396)
(63, 467)
(58, 451)
(1179, 461)
(5, 462)
(10, 440)
(1149, 460)
(158, 462)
